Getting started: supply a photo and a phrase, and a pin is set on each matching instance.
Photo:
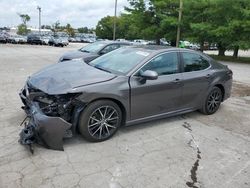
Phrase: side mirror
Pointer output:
(149, 75)
(103, 52)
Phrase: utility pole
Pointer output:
(114, 32)
(39, 9)
(179, 24)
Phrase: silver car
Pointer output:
(127, 86)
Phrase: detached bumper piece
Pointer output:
(42, 129)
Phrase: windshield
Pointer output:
(120, 61)
(93, 48)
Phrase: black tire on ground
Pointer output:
(212, 102)
(100, 120)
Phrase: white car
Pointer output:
(45, 40)
(18, 39)
(194, 46)
(140, 42)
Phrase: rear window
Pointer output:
(194, 62)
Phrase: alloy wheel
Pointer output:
(103, 122)
(214, 101)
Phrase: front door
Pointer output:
(153, 97)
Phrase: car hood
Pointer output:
(77, 54)
(65, 77)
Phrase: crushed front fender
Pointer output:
(43, 129)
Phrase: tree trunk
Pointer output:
(202, 46)
(158, 42)
(221, 50)
(236, 50)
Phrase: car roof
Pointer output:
(112, 42)
(158, 49)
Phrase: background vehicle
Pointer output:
(65, 41)
(45, 40)
(163, 42)
(10, 39)
(18, 39)
(72, 39)
(94, 50)
(140, 42)
(213, 47)
(194, 46)
(56, 41)
(127, 86)
(3, 38)
(34, 39)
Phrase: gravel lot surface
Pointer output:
(192, 150)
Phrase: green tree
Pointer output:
(224, 22)
(144, 22)
(83, 30)
(22, 28)
(196, 24)
(70, 30)
(166, 15)
(154, 19)
(46, 27)
(56, 26)
(25, 18)
(104, 28)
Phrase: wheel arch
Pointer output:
(221, 87)
(119, 103)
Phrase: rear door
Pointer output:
(154, 97)
(197, 77)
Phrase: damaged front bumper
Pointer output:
(42, 129)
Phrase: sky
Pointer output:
(79, 13)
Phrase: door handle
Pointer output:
(177, 81)
(208, 76)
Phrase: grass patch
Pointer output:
(231, 59)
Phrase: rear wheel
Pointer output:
(213, 101)
(100, 120)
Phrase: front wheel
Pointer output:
(212, 102)
(100, 120)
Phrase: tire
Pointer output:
(212, 102)
(100, 120)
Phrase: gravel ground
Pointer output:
(192, 150)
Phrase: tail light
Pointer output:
(230, 72)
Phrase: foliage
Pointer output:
(222, 22)
(83, 30)
(46, 27)
(70, 30)
(25, 18)
(22, 29)
(56, 26)
(104, 28)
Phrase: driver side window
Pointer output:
(110, 48)
(164, 64)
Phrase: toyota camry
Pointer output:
(127, 86)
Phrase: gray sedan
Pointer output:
(92, 51)
(127, 86)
